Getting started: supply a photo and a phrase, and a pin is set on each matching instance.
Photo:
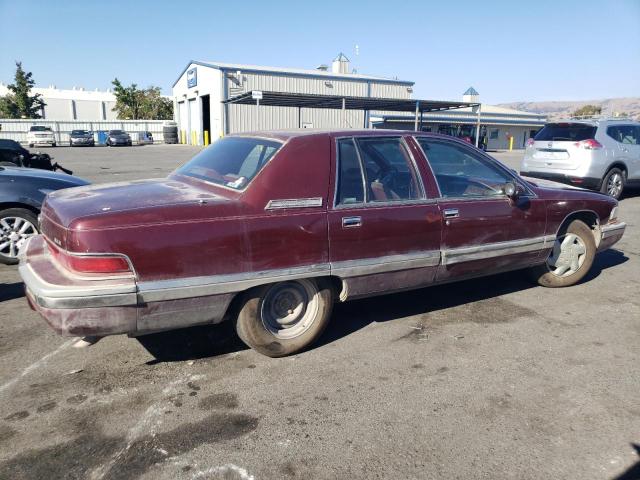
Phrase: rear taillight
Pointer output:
(530, 142)
(91, 263)
(589, 144)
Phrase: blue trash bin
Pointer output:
(102, 137)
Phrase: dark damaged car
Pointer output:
(269, 230)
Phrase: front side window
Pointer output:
(460, 173)
(232, 161)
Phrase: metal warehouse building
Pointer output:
(202, 88)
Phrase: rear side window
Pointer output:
(627, 134)
(566, 132)
(460, 173)
(231, 161)
(389, 173)
(375, 170)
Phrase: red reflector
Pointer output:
(577, 180)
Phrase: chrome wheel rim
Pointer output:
(614, 184)
(288, 309)
(14, 231)
(569, 253)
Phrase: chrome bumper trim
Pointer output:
(609, 230)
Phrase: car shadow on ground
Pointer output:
(11, 291)
(214, 340)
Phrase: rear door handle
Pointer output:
(451, 213)
(350, 222)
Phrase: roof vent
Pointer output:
(323, 67)
(471, 96)
(340, 64)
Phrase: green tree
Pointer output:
(19, 103)
(588, 110)
(141, 104)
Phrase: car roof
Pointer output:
(284, 135)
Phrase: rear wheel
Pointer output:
(16, 226)
(613, 183)
(571, 258)
(283, 318)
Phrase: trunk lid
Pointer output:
(129, 203)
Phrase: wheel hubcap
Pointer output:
(289, 308)
(614, 185)
(568, 255)
(14, 231)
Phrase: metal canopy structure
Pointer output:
(339, 102)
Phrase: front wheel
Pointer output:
(613, 183)
(283, 318)
(16, 226)
(571, 258)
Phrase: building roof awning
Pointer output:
(338, 102)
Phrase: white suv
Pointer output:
(41, 135)
(601, 154)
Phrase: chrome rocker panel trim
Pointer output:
(498, 249)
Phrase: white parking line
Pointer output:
(37, 364)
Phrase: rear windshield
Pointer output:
(39, 128)
(79, 132)
(231, 161)
(566, 132)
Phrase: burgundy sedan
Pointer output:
(268, 230)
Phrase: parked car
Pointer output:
(118, 137)
(600, 154)
(22, 191)
(12, 154)
(145, 138)
(81, 137)
(40, 135)
(268, 230)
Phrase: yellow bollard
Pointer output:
(183, 137)
(206, 138)
(193, 137)
(510, 143)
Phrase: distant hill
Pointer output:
(555, 110)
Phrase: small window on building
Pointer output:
(350, 180)
(493, 134)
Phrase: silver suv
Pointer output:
(601, 154)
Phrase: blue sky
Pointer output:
(508, 50)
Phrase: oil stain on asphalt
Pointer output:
(76, 458)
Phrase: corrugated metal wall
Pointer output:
(243, 118)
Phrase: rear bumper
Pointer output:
(584, 182)
(611, 233)
(77, 306)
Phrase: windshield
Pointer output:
(231, 161)
(39, 128)
(116, 132)
(79, 132)
(566, 132)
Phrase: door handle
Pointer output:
(451, 213)
(350, 222)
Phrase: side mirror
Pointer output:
(512, 190)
